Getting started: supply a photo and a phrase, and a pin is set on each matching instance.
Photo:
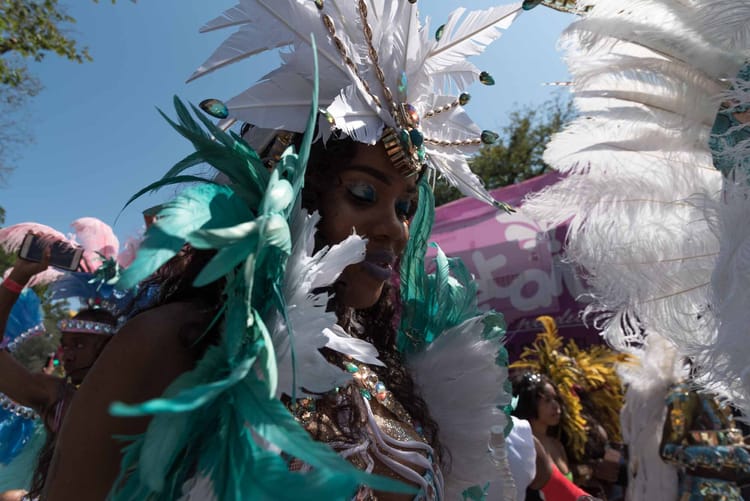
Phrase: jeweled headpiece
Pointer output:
(386, 77)
(86, 327)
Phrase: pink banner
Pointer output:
(517, 264)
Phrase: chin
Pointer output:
(357, 289)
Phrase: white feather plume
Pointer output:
(727, 353)
(314, 328)
(647, 83)
(658, 366)
(468, 35)
(461, 384)
(350, 87)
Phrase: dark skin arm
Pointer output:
(138, 364)
(37, 391)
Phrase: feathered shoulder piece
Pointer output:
(455, 353)
(387, 76)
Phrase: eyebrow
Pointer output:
(377, 175)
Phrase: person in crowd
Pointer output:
(83, 338)
(700, 438)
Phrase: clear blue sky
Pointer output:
(98, 137)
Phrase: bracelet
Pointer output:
(12, 286)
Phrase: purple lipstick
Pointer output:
(379, 264)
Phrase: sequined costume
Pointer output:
(387, 441)
(701, 438)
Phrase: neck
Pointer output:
(538, 428)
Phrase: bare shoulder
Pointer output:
(149, 342)
(165, 319)
(138, 364)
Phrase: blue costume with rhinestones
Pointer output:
(701, 438)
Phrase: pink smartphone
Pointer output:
(62, 254)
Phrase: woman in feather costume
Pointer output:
(287, 373)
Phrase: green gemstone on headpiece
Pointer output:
(421, 154)
(402, 83)
(489, 137)
(486, 78)
(417, 139)
(464, 98)
(439, 32)
(215, 108)
(351, 368)
(403, 137)
(530, 4)
(319, 4)
(365, 393)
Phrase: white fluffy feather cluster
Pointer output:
(648, 78)
(460, 382)
(418, 69)
(648, 382)
(308, 326)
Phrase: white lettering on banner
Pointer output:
(485, 270)
(528, 290)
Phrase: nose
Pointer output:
(389, 227)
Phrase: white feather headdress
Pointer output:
(647, 79)
(383, 72)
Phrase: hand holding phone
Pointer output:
(61, 254)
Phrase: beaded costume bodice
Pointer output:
(700, 436)
(364, 423)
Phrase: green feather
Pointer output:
(226, 260)
(267, 358)
(222, 237)
(162, 183)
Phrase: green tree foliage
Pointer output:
(33, 29)
(517, 155)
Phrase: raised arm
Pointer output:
(32, 390)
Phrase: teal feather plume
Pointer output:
(431, 302)
(221, 420)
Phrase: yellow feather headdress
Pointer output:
(574, 371)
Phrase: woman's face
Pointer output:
(369, 196)
(80, 351)
(548, 406)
